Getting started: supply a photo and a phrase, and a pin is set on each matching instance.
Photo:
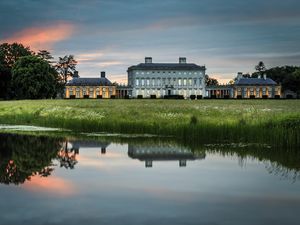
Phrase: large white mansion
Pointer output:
(158, 80)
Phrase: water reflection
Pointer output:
(104, 181)
(148, 154)
(23, 157)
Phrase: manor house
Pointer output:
(159, 80)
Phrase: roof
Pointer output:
(103, 81)
(166, 66)
(219, 87)
(255, 81)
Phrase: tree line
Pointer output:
(25, 74)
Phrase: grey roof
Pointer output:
(255, 81)
(166, 66)
(103, 81)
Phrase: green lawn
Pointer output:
(271, 121)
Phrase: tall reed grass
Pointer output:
(207, 121)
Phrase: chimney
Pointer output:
(148, 59)
(239, 75)
(265, 76)
(182, 60)
(75, 75)
(103, 74)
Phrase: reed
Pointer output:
(205, 121)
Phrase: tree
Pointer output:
(287, 76)
(210, 81)
(66, 67)
(260, 68)
(9, 54)
(32, 78)
(45, 55)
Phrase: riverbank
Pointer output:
(262, 121)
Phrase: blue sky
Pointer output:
(111, 35)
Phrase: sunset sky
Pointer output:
(111, 35)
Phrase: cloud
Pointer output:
(52, 185)
(42, 37)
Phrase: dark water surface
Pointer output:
(47, 180)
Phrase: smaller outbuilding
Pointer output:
(261, 87)
(90, 87)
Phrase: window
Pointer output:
(195, 81)
(137, 82)
(184, 82)
(179, 81)
(158, 81)
(71, 91)
(104, 89)
(91, 94)
(190, 81)
(148, 82)
(163, 81)
(153, 81)
(143, 82)
(77, 94)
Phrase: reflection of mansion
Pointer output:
(163, 153)
(148, 154)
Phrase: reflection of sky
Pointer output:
(115, 189)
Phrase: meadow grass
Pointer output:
(204, 121)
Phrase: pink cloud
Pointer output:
(53, 185)
(42, 37)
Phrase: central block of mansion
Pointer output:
(160, 80)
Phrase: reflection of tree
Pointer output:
(67, 156)
(24, 156)
(278, 161)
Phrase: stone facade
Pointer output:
(160, 80)
(261, 87)
(90, 88)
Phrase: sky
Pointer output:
(110, 35)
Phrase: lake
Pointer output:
(54, 180)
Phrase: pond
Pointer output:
(53, 180)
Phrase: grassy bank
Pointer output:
(267, 121)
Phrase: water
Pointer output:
(145, 181)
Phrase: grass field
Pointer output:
(264, 121)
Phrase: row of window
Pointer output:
(167, 81)
(257, 89)
(164, 92)
(195, 73)
(90, 89)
